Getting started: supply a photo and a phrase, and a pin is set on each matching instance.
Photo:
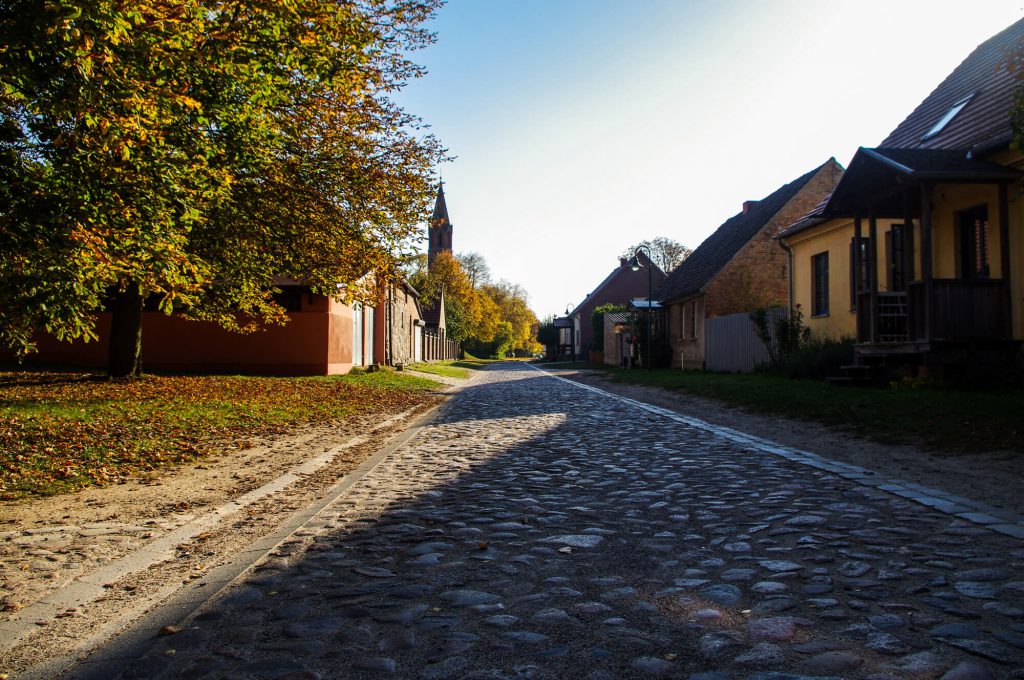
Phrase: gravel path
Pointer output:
(541, 530)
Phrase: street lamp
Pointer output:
(572, 330)
(635, 264)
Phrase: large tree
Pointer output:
(476, 268)
(195, 152)
(490, 317)
(445, 274)
(667, 253)
(513, 307)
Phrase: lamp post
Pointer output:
(572, 330)
(635, 264)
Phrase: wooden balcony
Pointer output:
(939, 310)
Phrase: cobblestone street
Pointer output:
(539, 529)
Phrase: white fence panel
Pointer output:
(731, 343)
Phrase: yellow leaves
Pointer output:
(190, 103)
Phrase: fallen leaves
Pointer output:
(63, 431)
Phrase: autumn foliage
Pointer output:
(194, 153)
(491, 316)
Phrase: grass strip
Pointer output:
(448, 369)
(64, 431)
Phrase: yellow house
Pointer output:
(918, 253)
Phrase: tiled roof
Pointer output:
(716, 250)
(938, 164)
(985, 121)
(622, 268)
(432, 316)
(811, 219)
(873, 172)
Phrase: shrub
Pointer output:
(597, 323)
(817, 358)
(786, 336)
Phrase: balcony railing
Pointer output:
(959, 310)
(953, 310)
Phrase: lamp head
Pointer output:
(635, 263)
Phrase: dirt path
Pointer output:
(995, 477)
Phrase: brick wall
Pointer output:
(625, 285)
(758, 275)
(686, 333)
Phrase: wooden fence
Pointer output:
(436, 347)
(731, 343)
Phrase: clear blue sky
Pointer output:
(583, 126)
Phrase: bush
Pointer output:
(817, 358)
(597, 323)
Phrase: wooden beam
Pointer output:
(1004, 255)
(858, 233)
(908, 240)
(873, 269)
(926, 232)
(926, 259)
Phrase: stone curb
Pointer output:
(977, 512)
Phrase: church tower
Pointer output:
(439, 233)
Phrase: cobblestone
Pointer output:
(541, 530)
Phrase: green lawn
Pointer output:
(64, 431)
(956, 420)
(449, 369)
(455, 368)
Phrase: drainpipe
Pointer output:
(390, 353)
(789, 271)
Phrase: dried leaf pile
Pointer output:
(64, 431)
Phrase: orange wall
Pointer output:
(312, 343)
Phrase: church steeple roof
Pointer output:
(440, 215)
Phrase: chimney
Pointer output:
(747, 205)
(623, 261)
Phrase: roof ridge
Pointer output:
(981, 75)
(729, 238)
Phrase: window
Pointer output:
(693, 319)
(859, 278)
(941, 124)
(973, 243)
(819, 276)
(899, 248)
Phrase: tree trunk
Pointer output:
(124, 358)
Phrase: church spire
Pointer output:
(439, 232)
(440, 215)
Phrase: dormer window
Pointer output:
(941, 124)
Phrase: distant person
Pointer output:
(627, 350)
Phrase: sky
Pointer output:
(581, 127)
